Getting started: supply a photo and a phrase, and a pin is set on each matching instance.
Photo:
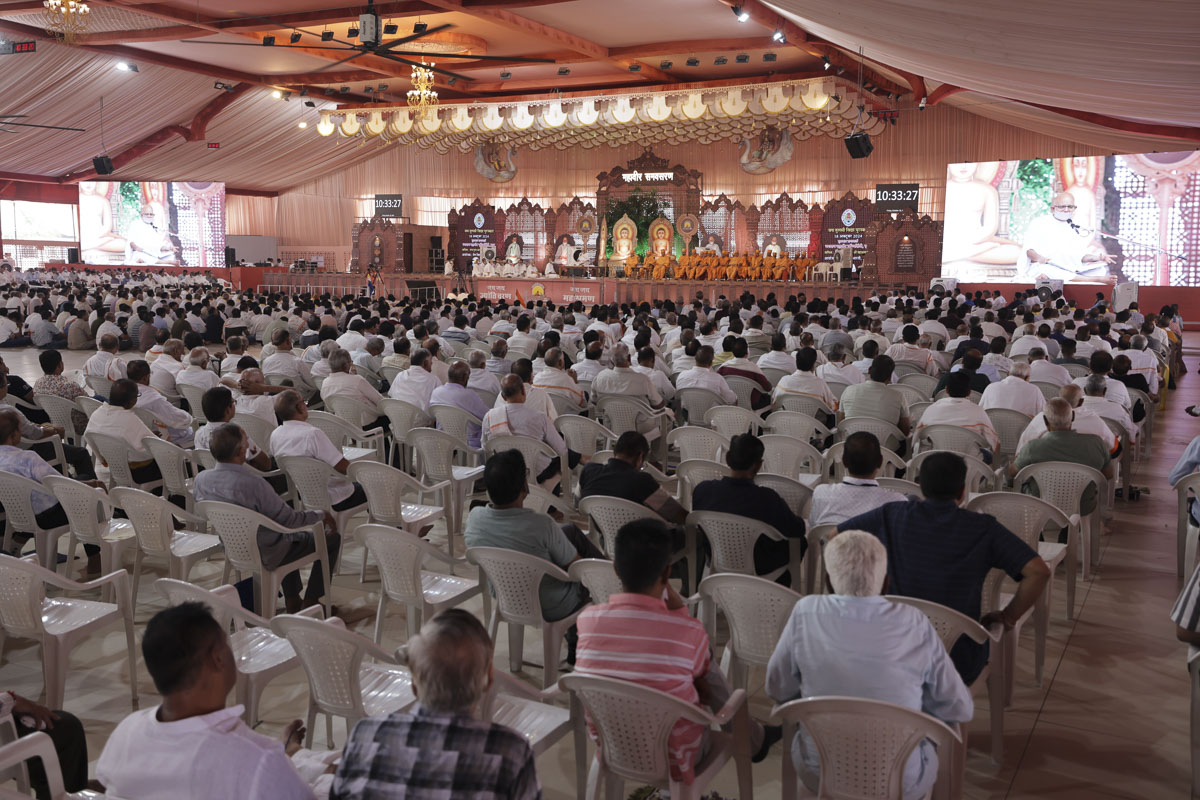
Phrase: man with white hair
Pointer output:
(1054, 247)
(855, 643)
(481, 376)
(1084, 420)
(1014, 392)
(1142, 361)
(440, 748)
(1061, 443)
(555, 379)
(105, 363)
(321, 368)
(513, 416)
(343, 382)
(621, 379)
(284, 361)
(170, 422)
(197, 372)
(414, 385)
(165, 368)
(1095, 399)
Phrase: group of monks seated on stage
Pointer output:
(709, 266)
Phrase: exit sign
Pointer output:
(8, 48)
(214, 145)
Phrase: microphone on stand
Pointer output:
(1075, 227)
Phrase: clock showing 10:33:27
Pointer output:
(892, 197)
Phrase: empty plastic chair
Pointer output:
(756, 610)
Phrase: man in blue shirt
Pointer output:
(738, 494)
(942, 553)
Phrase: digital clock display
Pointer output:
(890, 197)
(8, 48)
(389, 205)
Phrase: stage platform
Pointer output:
(558, 290)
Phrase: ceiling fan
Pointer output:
(370, 37)
(7, 120)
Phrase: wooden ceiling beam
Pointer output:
(170, 33)
(688, 46)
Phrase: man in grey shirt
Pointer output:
(232, 481)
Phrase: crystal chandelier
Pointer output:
(422, 95)
(66, 19)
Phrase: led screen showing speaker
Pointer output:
(1020, 221)
(152, 223)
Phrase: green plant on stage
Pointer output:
(641, 207)
(1035, 180)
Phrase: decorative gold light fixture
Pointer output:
(66, 19)
(422, 95)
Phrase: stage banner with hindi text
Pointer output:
(844, 223)
(472, 230)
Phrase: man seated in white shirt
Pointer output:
(116, 419)
(957, 409)
(342, 382)
(284, 361)
(554, 379)
(836, 370)
(855, 643)
(321, 368)
(514, 417)
(165, 368)
(297, 437)
(439, 368)
(235, 349)
(192, 746)
(171, 422)
(647, 359)
(804, 380)
(1042, 370)
(778, 357)
(109, 327)
(703, 376)
(371, 357)
(859, 492)
(1101, 364)
(1095, 399)
(1014, 392)
(623, 381)
(105, 363)
(481, 377)
(536, 398)
(415, 385)
(1084, 421)
(909, 351)
(591, 366)
(197, 372)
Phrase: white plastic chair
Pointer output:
(61, 623)
(744, 388)
(454, 421)
(775, 375)
(692, 473)
(347, 437)
(1061, 484)
(174, 464)
(310, 477)
(89, 513)
(1186, 534)
(900, 485)
(1008, 425)
(585, 436)
(814, 557)
(803, 404)
(87, 404)
(403, 418)
(194, 396)
(1049, 390)
(695, 403)
(532, 450)
(911, 394)
(152, 520)
(804, 427)
(621, 414)
(925, 384)
(889, 435)
(950, 437)
(951, 626)
(597, 576)
(60, 410)
(15, 752)
(435, 452)
(515, 577)
(100, 385)
(732, 538)
(788, 456)
(756, 610)
(633, 724)
(607, 515)
(424, 594)
(980, 477)
(115, 453)
(1193, 665)
(261, 656)
(693, 441)
(917, 410)
(385, 488)
(863, 745)
(341, 682)
(238, 529)
(16, 496)
(834, 470)
(732, 420)
(797, 495)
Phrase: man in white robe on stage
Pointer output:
(1055, 248)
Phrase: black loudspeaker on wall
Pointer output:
(230, 256)
(435, 243)
(72, 255)
(859, 145)
(103, 165)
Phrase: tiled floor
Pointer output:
(1111, 719)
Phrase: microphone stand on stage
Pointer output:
(1080, 229)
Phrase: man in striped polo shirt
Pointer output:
(645, 635)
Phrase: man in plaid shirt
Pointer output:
(439, 750)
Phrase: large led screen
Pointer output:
(152, 223)
(1018, 221)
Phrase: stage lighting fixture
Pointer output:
(309, 104)
(505, 75)
(383, 87)
(841, 70)
(635, 67)
(451, 81)
(344, 90)
(420, 27)
(302, 125)
(664, 65)
(777, 35)
(693, 62)
(226, 87)
(277, 94)
(352, 33)
(125, 66)
(742, 58)
(921, 105)
(720, 61)
(769, 57)
(326, 36)
(268, 41)
(368, 90)
(330, 91)
(391, 29)
(828, 64)
(564, 70)
(742, 14)
(295, 37)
